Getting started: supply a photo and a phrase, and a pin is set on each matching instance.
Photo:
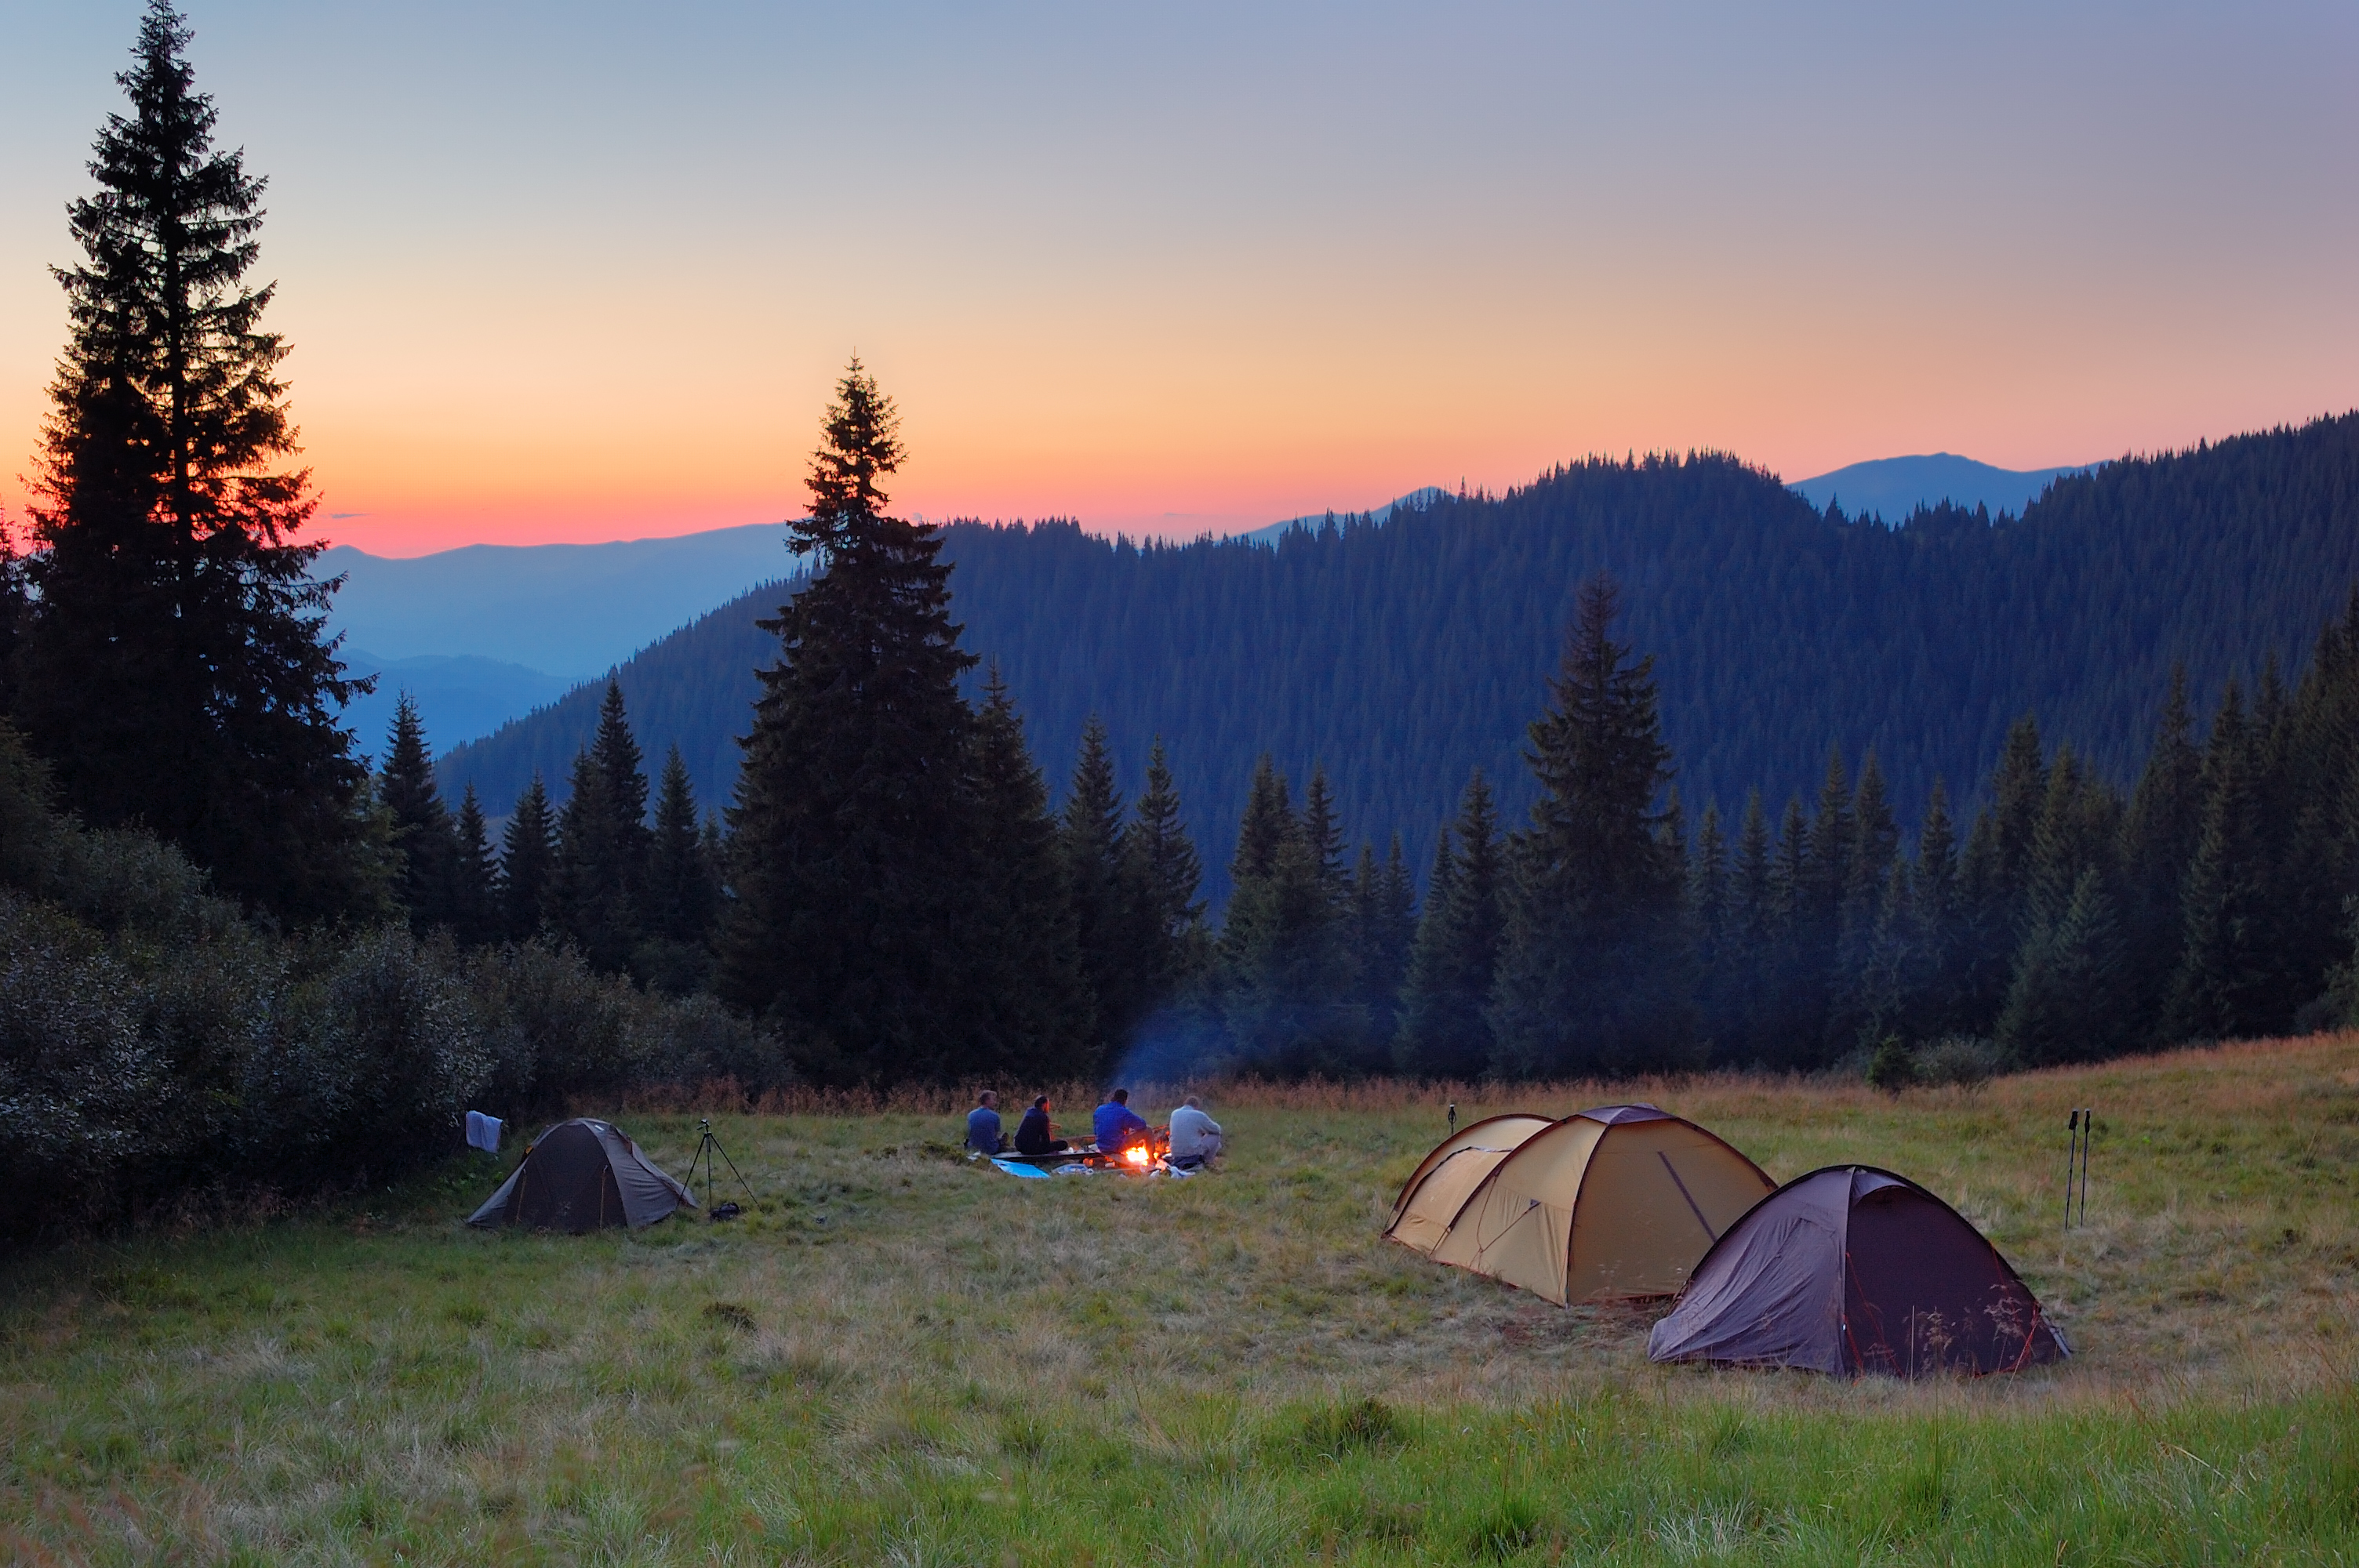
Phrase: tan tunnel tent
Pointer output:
(1609, 1204)
(1440, 1186)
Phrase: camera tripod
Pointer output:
(709, 1150)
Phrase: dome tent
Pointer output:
(1853, 1269)
(1608, 1203)
(580, 1175)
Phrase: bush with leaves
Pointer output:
(156, 1049)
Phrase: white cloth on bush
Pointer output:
(483, 1132)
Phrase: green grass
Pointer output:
(899, 1357)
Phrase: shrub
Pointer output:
(1892, 1067)
(156, 1047)
(1964, 1059)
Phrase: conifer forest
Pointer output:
(1649, 766)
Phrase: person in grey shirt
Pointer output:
(1195, 1137)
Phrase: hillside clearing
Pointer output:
(900, 1356)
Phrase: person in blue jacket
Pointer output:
(983, 1134)
(1118, 1127)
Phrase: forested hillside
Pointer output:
(1401, 655)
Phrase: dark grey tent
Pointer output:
(1853, 1269)
(582, 1174)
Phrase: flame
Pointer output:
(1137, 1155)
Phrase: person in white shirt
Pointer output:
(1195, 1137)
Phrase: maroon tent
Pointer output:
(1853, 1269)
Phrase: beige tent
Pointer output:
(1433, 1195)
(1608, 1203)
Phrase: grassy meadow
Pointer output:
(901, 1358)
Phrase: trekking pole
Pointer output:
(2088, 1136)
(2071, 1159)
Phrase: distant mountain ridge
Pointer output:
(535, 620)
(464, 697)
(1403, 655)
(1892, 488)
(568, 609)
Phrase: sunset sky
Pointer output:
(586, 270)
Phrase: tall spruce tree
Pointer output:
(1322, 835)
(2223, 985)
(1267, 823)
(426, 851)
(528, 865)
(1444, 1031)
(1286, 993)
(1161, 873)
(2066, 1001)
(683, 893)
(850, 860)
(602, 843)
(1935, 1003)
(474, 893)
(2158, 839)
(2065, 998)
(1384, 929)
(1089, 838)
(176, 670)
(1592, 973)
(1028, 993)
(2321, 858)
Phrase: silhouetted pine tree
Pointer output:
(1089, 838)
(175, 669)
(1711, 917)
(1936, 1005)
(1266, 823)
(1741, 1035)
(1788, 1013)
(2322, 859)
(1383, 927)
(2066, 1002)
(851, 854)
(1445, 1031)
(1161, 873)
(2065, 995)
(1591, 975)
(1030, 993)
(2158, 837)
(528, 865)
(475, 916)
(682, 895)
(1322, 835)
(1286, 970)
(602, 843)
(2224, 970)
(1993, 874)
(427, 853)
(1872, 932)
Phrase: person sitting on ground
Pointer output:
(1195, 1137)
(1117, 1126)
(1035, 1133)
(983, 1134)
